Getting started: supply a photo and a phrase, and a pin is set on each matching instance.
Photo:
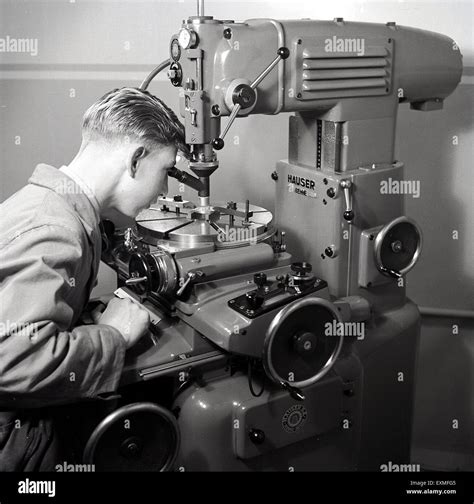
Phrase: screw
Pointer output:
(215, 110)
(331, 192)
(227, 33)
(274, 176)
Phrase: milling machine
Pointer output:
(286, 340)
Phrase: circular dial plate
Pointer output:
(185, 38)
(175, 50)
(157, 224)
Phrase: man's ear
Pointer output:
(139, 153)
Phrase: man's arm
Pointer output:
(41, 361)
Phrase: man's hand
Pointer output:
(128, 318)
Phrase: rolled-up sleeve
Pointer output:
(43, 361)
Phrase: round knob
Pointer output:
(218, 143)
(131, 447)
(301, 268)
(178, 198)
(257, 436)
(397, 246)
(305, 343)
(260, 279)
(283, 52)
(254, 300)
(348, 215)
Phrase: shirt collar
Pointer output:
(86, 189)
(74, 191)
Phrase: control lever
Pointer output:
(346, 186)
(390, 272)
(294, 392)
(192, 275)
(244, 95)
(136, 280)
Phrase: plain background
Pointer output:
(89, 47)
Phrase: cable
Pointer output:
(164, 64)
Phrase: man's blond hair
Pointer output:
(135, 115)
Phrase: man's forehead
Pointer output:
(168, 154)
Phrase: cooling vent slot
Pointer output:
(324, 75)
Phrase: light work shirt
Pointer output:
(50, 250)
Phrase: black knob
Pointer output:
(260, 279)
(244, 95)
(284, 52)
(215, 110)
(301, 268)
(274, 175)
(329, 251)
(131, 447)
(331, 192)
(177, 198)
(348, 215)
(227, 33)
(218, 143)
(254, 300)
(257, 436)
(305, 343)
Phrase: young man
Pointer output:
(49, 256)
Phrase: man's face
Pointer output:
(136, 193)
